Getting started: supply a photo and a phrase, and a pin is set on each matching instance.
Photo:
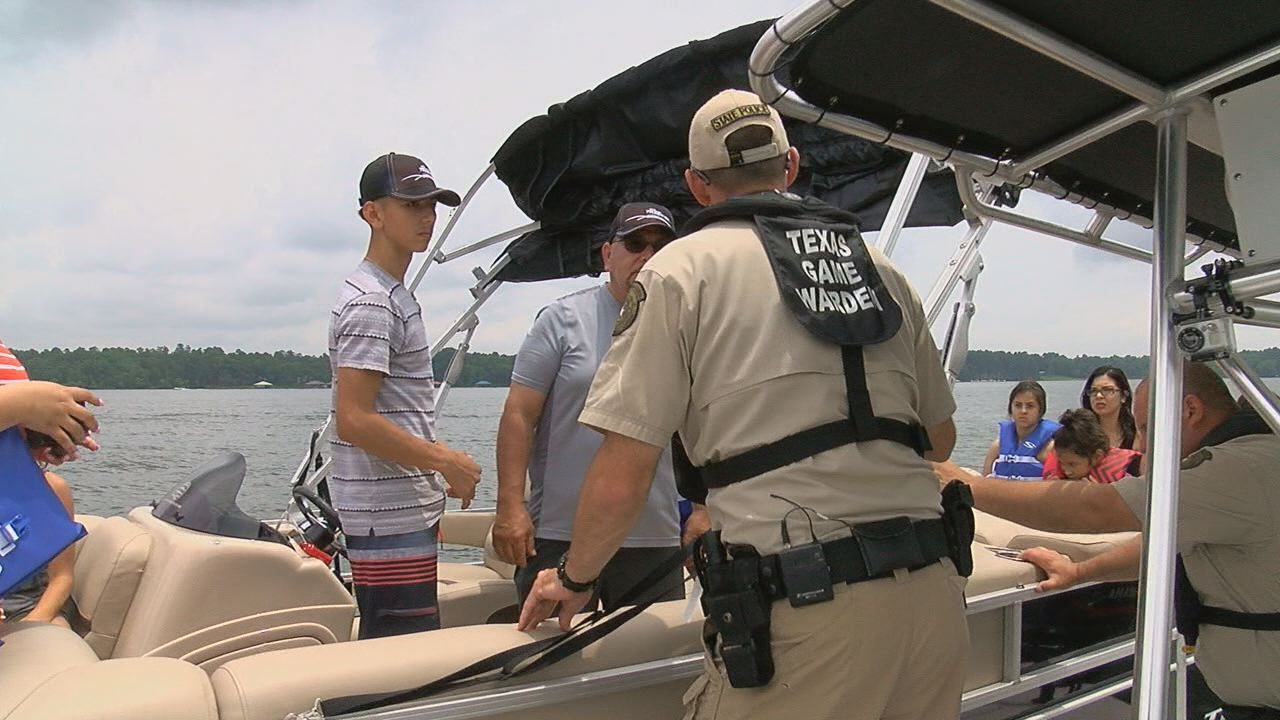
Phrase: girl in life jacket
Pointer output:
(1024, 440)
(1081, 451)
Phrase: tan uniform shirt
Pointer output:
(1229, 537)
(712, 351)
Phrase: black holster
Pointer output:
(737, 608)
(957, 522)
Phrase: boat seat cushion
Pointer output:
(269, 686)
(493, 562)
(995, 531)
(126, 689)
(109, 566)
(32, 653)
(463, 572)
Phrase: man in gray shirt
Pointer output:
(387, 465)
(539, 433)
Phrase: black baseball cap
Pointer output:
(633, 216)
(405, 177)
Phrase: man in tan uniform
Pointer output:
(1228, 533)
(709, 345)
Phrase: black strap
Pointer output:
(866, 425)
(861, 426)
(525, 658)
(1190, 613)
(847, 562)
(1210, 615)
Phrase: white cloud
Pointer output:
(186, 171)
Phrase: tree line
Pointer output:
(213, 367)
(1009, 366)
(183, 366)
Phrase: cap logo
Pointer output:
(422, 174)
(725, 119)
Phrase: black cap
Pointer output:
(405, 177)
(633, 216)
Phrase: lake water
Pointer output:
(152, 439)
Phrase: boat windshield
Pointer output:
(206, 502)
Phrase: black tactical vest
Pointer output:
(827, 279)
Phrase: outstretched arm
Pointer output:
(1119, 563)
(613, 496)
(1055, 506)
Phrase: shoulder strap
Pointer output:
(862, 425)
(1190, 613)
(521, 659)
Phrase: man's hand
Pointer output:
(546, 594)
(696, 526)
(948, 471)
(56, 411)
(461, 473)
(513, 536)
(1062, 571)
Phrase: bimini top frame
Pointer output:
(1167, 103)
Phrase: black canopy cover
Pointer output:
(931, 74)
(626, 140)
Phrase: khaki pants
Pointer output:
(891, 649)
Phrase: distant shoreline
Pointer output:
(213, 368)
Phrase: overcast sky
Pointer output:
(185, 171)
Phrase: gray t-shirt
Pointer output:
(377, 325)
(559, 357)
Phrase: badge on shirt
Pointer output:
(1196, 459)
(630, 308)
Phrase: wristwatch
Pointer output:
(568, 582)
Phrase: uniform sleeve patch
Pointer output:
(630, 308)
(1196, 459)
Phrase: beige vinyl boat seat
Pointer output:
(263, 687)
(49, 673)
(474, 594)
(269, 686)
(109, 565)
(144, 587)
(998, 532)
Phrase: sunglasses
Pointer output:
(636, 245)
(1103, 392)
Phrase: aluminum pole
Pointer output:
(429, 257)
(1260, 396)
(896, 217)
(1155, 613)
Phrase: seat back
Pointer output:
(109, 566)
(207, 598)
(493, 562)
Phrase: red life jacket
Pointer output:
(1117, 463)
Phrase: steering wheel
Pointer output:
(316, 510)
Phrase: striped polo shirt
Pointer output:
(377, 325)
(11, 369)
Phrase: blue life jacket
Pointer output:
(1017, 460)
(34, 526)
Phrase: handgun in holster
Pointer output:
(738, 610)
(958, 524)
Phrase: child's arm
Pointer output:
(61, 569)
(989, 462)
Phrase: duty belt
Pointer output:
(874, 550)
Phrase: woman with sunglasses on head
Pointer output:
(1107, 394)
(1024, 439)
